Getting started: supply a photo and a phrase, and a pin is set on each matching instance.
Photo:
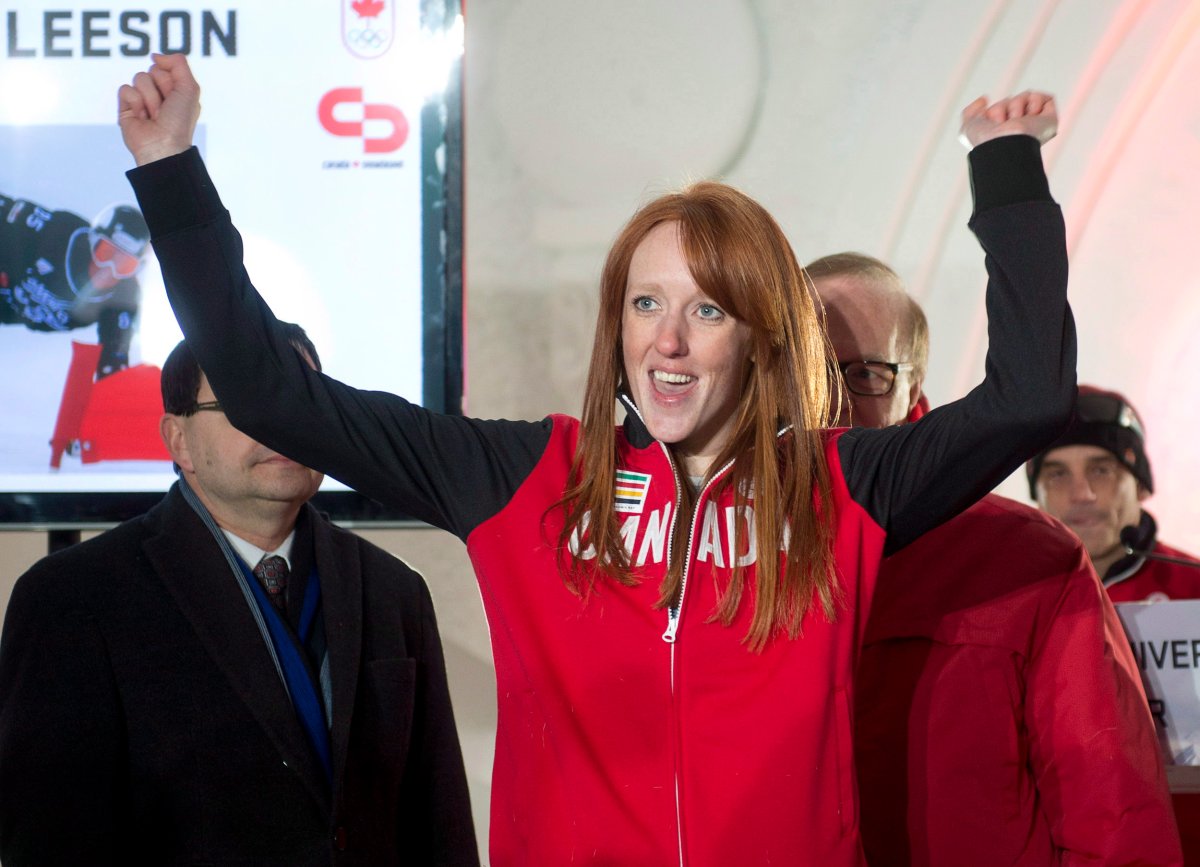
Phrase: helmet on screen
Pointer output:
(119, 237)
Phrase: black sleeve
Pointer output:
(449, 471)
(61, 738)
(914, 477)
(437, 822)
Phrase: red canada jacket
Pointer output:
(623, 740)
(1001, 718)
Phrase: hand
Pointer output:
(158, 112)
(1028, 113)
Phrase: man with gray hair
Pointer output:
(999, 714)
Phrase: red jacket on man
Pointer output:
(1001, 719)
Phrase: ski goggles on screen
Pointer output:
(108, 255)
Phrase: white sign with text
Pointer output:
(1165, 637)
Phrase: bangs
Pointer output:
(740, 259)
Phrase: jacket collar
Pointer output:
(636, 431)
(1128, 566)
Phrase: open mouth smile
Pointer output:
(672, 378)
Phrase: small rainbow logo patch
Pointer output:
(631, 491)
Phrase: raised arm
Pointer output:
(449, 471)
(916, 476)
(157, 113)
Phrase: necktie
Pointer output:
(272, 574)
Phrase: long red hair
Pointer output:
(740, 258)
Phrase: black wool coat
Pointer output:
(142, 721)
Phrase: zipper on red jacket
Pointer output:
(673, 616)
(673, 610)
(669, 637)
(676, 610)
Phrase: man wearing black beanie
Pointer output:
(1094, 478)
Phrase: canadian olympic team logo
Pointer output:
(368, 26)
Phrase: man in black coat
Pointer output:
(162, 702)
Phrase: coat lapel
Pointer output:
(189, 562)
(340, 572)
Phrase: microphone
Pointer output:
(1129, 537)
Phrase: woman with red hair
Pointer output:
(675, 602)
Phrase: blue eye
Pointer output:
(643, 302)
(710, 311)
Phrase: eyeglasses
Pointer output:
(205, 406)
(111, 256)
(871, 378)
(1108, 409)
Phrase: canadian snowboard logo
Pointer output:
(382, 128)
(368, 27)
